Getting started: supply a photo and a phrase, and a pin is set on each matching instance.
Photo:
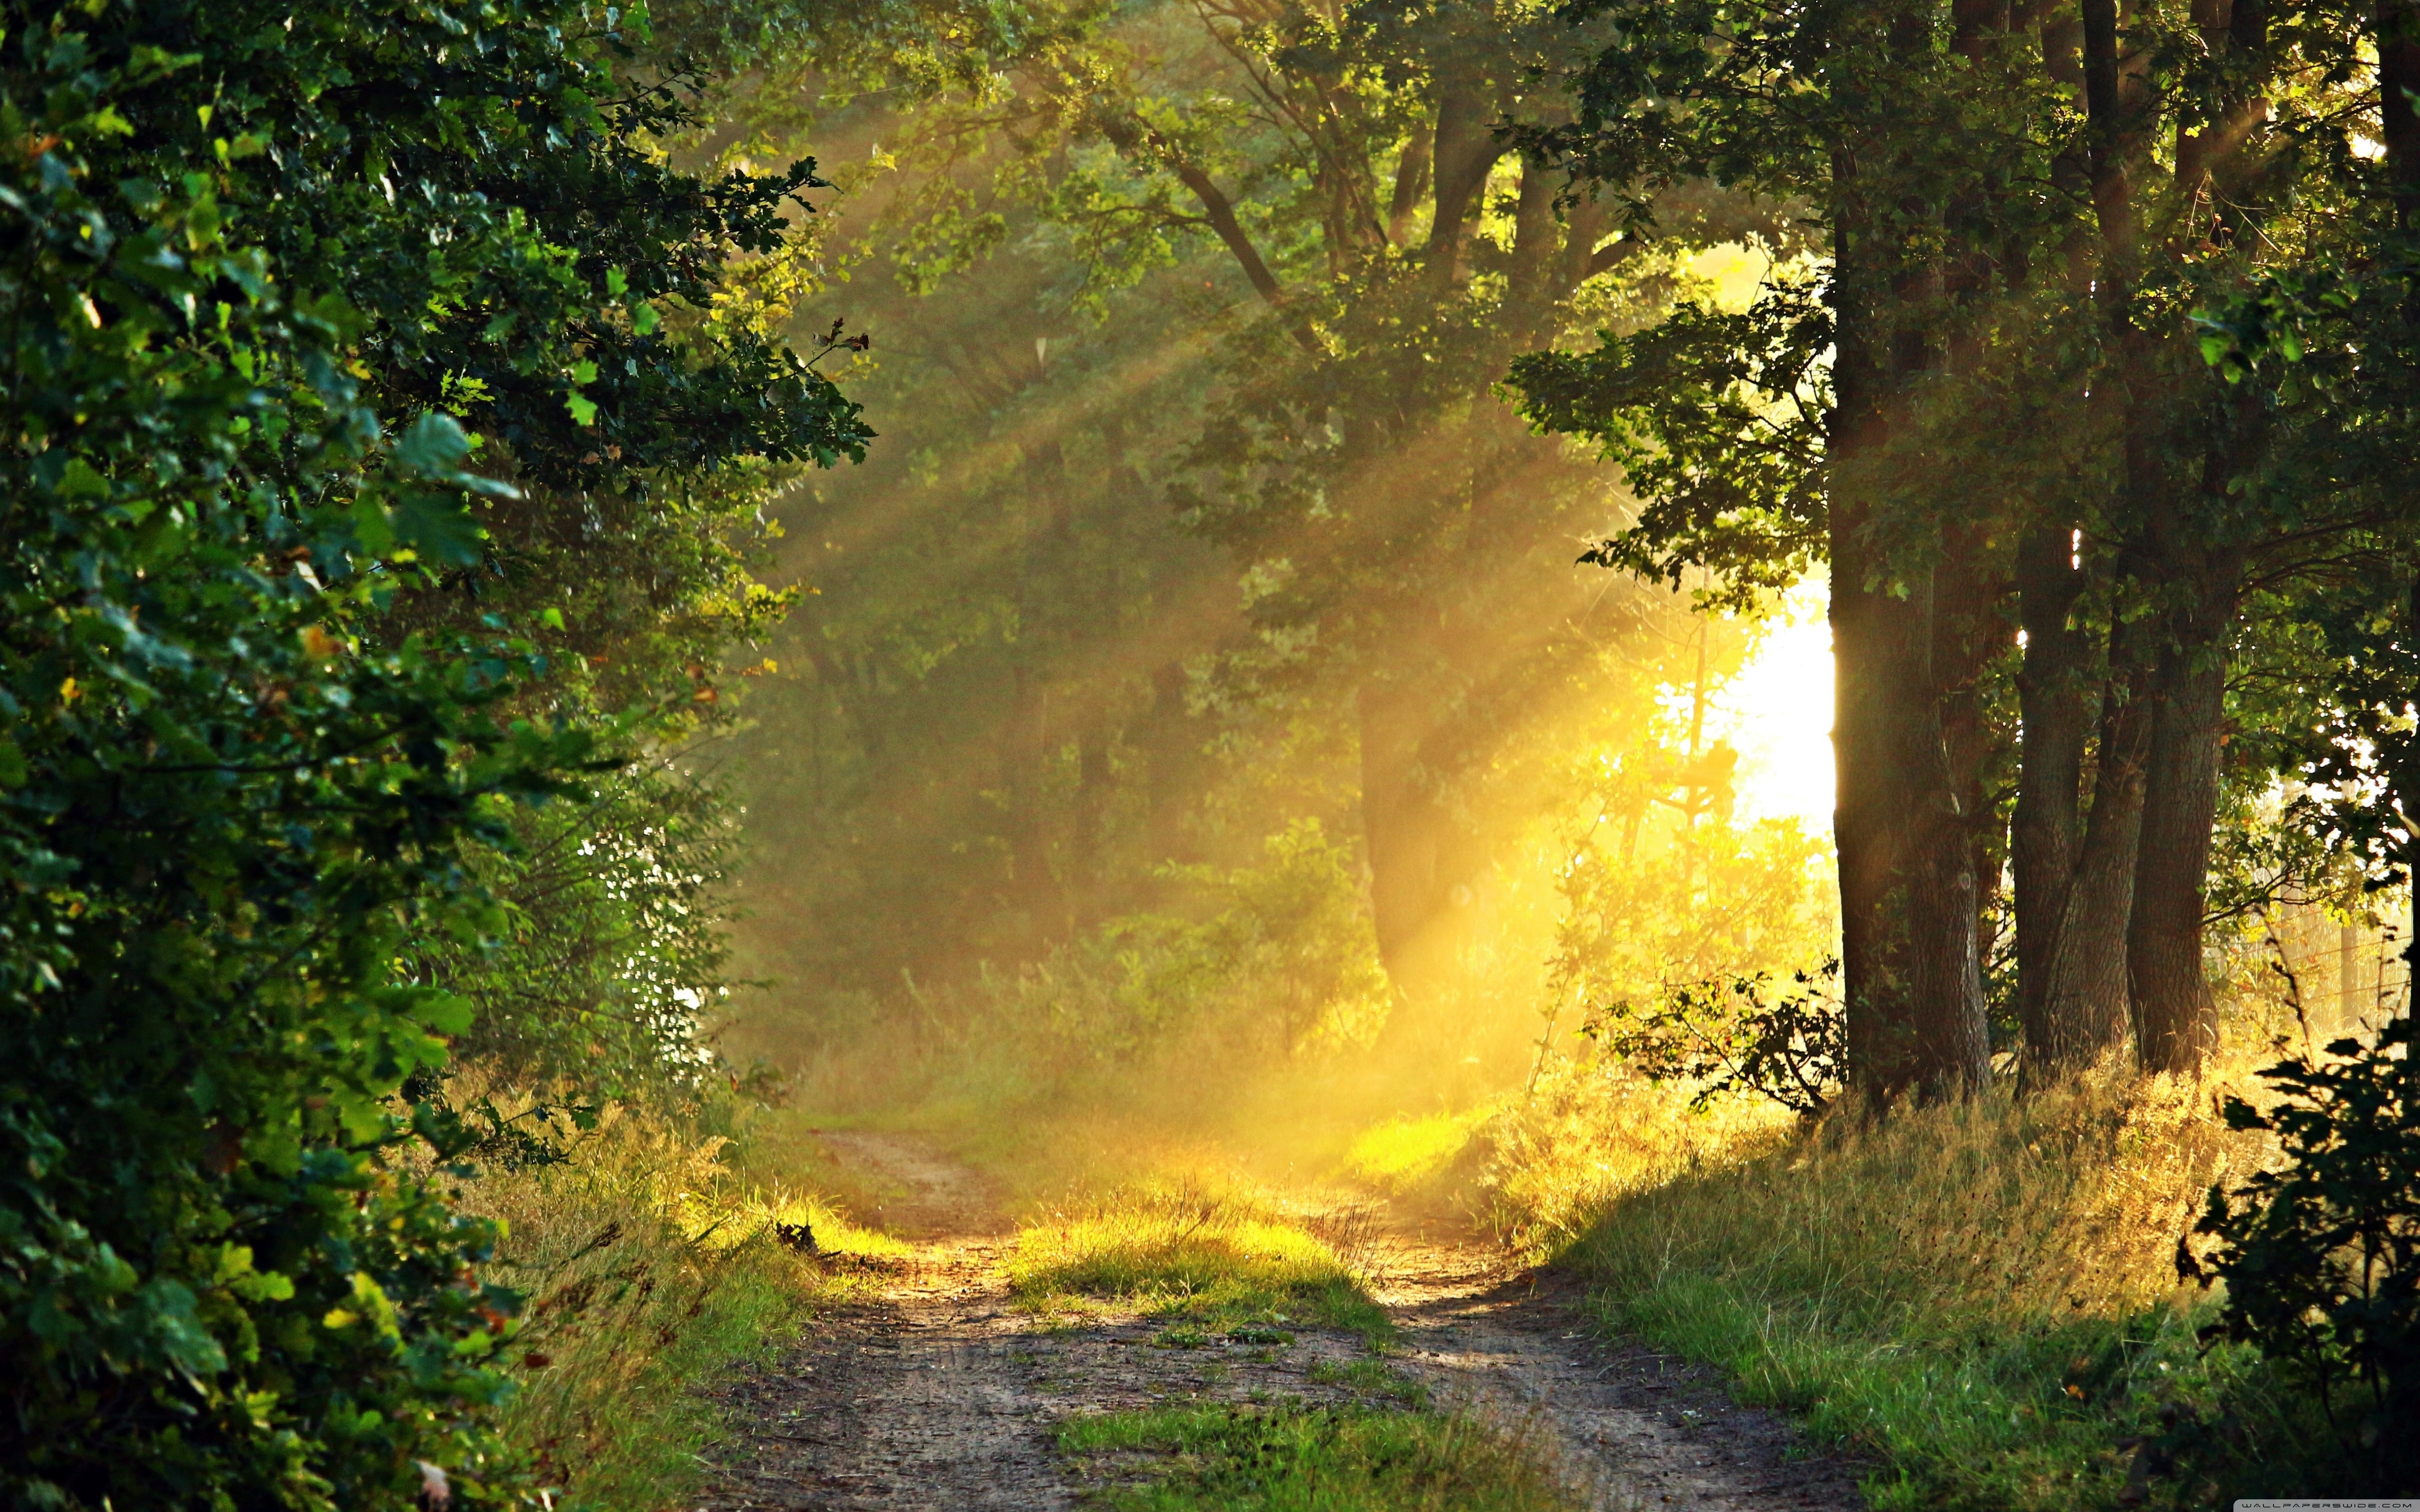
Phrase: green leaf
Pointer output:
(444, 1013)
(79, 481)
(436, 525)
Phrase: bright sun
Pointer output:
(1777, 713)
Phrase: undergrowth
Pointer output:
(1983, 1300)
(1294, 1458)
(649, 1270)
(1217, 1258)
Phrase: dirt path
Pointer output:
(941, 1396)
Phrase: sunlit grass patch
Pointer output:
(1594, 1135)
(1291, 1458)
(1982, 1298)
(1401, 1155)
(647, 1273)
(1213, 1259)
(789, 1219)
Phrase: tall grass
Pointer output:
(649, 1270)
(1983, 1297)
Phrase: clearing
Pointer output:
(941, 1392)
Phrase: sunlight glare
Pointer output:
(1777, 713)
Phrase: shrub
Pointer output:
(246, 763)
(2321, 1254)
(1726, 1036)
(610, 947)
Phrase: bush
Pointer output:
(252, 748)
(610, 950)
(1725, 1036)
(2321, 1254)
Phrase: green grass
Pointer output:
(1291, 1458)
(649, 1274)
(1217, 1264)
(1980, 1299)
(1401, 1156)
(1372, 1379)
(619, 1350)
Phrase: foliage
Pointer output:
(2324, 343)
(1716, 419)
(1714, 900)
(1283, 1458)
(610, 951)
(1724, 1035)
(1148, 1008)
(2321, 1254)
(278, 278)
(1163, 255)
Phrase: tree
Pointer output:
(1318, 201)
(2005, 240)
(263, 258)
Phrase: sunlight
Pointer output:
(1777, 713)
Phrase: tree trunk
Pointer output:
(1940, 723)
(1034, 889)
(1047, 541)
(1094, 781)
(1404, 832)
(2177, 1020)
(2054, 709)
(1467, 149)
(2085, 1013)
(1870, 790)
(1536, 240)
(1169, 758)
(1411, 183)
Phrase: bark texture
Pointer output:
(2084, 1010)
(2175, 1017)
(2055, 698)
(1869, 793)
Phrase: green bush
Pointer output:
(611, 949)
(254, 738)
(2321, 1255)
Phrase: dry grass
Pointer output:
(1983, 1297)
(649, 1268)
(1593, 1134)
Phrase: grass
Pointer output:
(1402, 1156)
(1372, 1380)
(1216, 1259)
(648, 1273)
(1292, 1458)
(1981, 1298)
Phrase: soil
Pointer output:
(938, 1393)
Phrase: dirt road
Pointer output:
(941, 1396)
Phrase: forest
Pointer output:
(1367, 755)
